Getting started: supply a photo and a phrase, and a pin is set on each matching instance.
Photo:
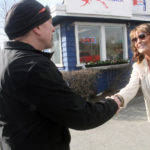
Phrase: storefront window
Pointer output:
(89, 49)
(100, 42)
(114, 43)
(57, 56)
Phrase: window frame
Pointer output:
(102, 39)
(60, 47)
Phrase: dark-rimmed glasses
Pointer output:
(141, 36)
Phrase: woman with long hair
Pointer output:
(140, 76)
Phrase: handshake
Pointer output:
(118, 99)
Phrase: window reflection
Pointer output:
(114, 43)
(89, 48)
(56, 47)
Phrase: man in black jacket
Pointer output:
(36, 106)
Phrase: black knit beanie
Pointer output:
(24, 16)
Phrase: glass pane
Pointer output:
(56, 47)
(89, 48)
(114, 43)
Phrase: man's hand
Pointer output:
(117, 100)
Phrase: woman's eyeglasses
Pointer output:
(141, 36)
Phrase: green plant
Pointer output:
(106, 62)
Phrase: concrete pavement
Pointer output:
(128, 130)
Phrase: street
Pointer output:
(128, 130)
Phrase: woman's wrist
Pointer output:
(120, 99)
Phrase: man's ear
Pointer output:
(37, 30)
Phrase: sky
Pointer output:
(3, 36)
(50, 2)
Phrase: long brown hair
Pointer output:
(145, 28)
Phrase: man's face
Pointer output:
(47, 34)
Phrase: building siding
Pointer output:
(108, 77)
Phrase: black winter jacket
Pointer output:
(37, 108)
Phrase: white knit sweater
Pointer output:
(140, 77)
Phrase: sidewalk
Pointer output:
(129, 130)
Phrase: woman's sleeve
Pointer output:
(131, 89)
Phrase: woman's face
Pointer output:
(141, 42)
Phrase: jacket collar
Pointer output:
(24, 46)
